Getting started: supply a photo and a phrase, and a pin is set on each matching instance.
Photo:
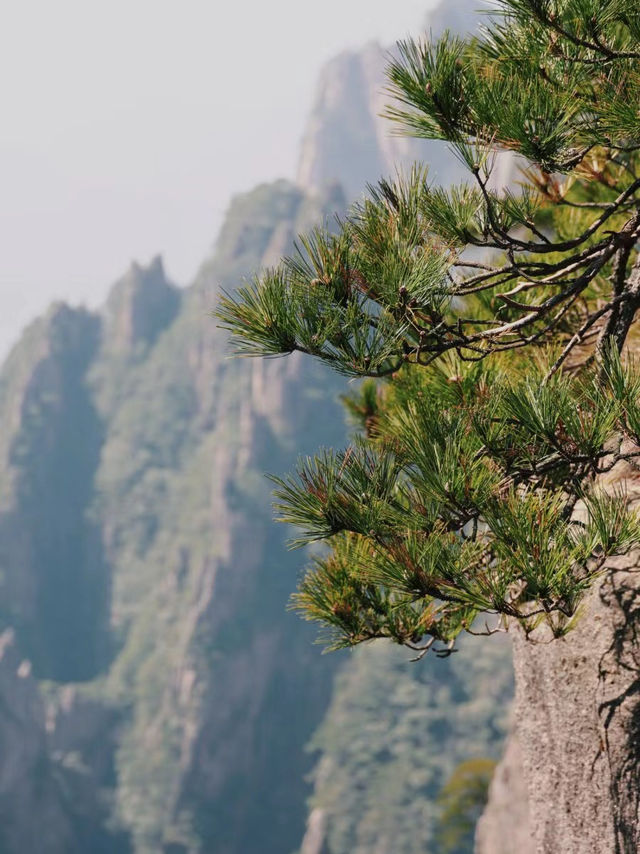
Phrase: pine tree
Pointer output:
(500, 410)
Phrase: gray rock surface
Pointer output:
(577, 716)
(142, 574)
(503, 827)
(347, 139)
(573, 765)
(138, 562)
(141, 304)
(315, 839)
(30, 799)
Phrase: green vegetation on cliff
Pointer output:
(395, 732)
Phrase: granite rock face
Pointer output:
(141, 574)
(315, 838)
(570, 778)
(346, 139)
(27, 784)
(577, 712)
(139, 307)
(50, 802)
(155, 695)
(47, 464)
(504, 827)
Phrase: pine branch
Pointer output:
(476, 485)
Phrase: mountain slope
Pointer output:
(393, 734)
(138, 554)
(167, 695)
(345, 139)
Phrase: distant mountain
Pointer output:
(347, 142)
(142, 577)
(394, 733)
(155, 695)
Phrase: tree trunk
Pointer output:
(577, 723)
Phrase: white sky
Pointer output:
(128, 124)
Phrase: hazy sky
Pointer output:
(128, 124)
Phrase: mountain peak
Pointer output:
(141, 304)
(346, 140)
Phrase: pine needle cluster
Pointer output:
(491, 325)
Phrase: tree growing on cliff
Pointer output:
(491, 483)
(490, 326)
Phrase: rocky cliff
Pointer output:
(347, 141)
(141, 574)
(164, 697)
(569, 780)
(156, 695)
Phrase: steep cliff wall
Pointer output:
(47, 465)
(504, 827)
(226, 700)
(577, 713)
(141, 570)
(347, 141)
(50, 801)
(572, 758)
(163, 695)
(28, 786)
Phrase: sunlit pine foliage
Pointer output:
(490, 326)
